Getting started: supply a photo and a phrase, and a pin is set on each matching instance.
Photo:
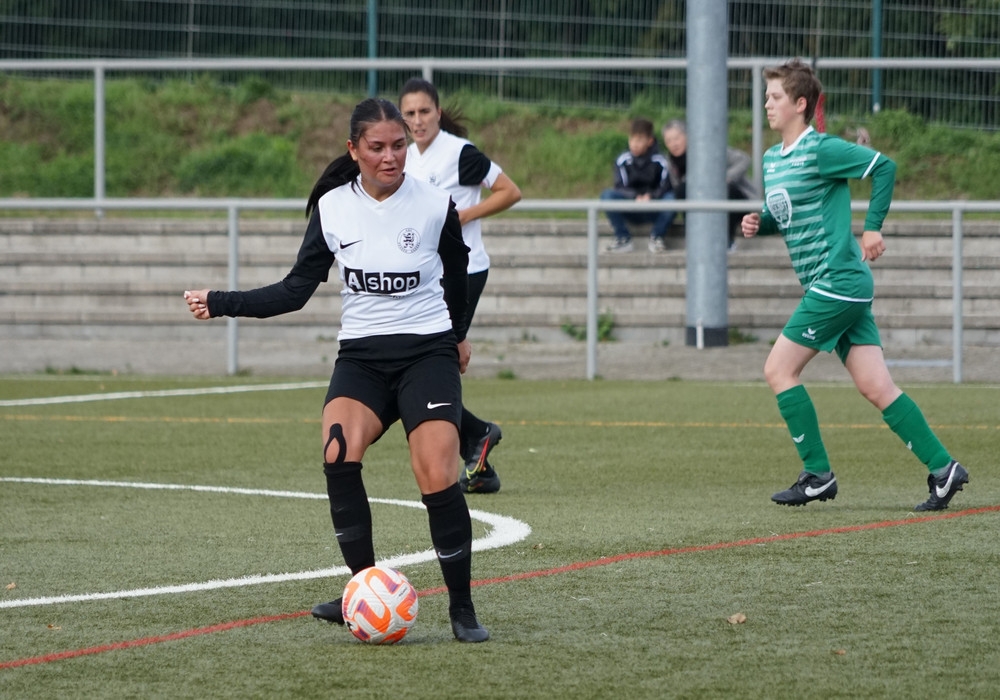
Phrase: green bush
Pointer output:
(224, 169)
(30, 171)
(605, 328)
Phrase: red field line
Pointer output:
(146, 641)
(577, 566)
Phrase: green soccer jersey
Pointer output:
(807, 201)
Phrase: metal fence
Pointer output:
(234, 206)
(517, 29)
(433, 69)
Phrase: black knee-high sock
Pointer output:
(471, 430)
(451, 534)
(351, 514)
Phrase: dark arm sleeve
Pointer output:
(663, 185)
(621, 178)
(290, 294)
(473, 166)
(768, 224)
(455, 278)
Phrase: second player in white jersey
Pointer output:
(442, 155)
(455, 165)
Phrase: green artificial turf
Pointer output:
(651, 525)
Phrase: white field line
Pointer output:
(119, 395)
(505, 531)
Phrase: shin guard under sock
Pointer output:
(451, 535)
(799, 413)
(906, 419)
(351, 514)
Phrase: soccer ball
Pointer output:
(380, 605)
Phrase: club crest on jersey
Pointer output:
(408, 240)
(381, 282)
(780, 206)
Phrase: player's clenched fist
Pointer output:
(198, 303)
(750, 225)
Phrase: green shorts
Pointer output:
(827, 324)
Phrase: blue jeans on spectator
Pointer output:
(661, 220)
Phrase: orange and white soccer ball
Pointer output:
(380, 605)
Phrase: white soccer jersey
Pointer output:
(387, 254)
(440, 165)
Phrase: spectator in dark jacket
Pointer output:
(738, 184)
(641, 174)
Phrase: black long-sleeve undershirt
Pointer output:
(455, 277)
(290, 294)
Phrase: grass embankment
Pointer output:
(200, 138)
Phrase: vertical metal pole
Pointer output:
(757, 101)
(372, 46)
(591, 292)
(99, 141)
(190, 28)
(956, 295)
(706, 236)
(502, 46)
(877, 53)
(818, 33)
(232, 324)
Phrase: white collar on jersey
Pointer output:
(791, 147)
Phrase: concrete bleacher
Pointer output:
(123, 277)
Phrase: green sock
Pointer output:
(799, 413)
(906, 420)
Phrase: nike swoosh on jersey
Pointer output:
(942, 491)
(812, 493)
(348, 245)
(799, 439)
(432, 406)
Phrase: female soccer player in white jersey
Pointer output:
(441, 155)
(807, 201)
(397, 242)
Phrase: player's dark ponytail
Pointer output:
(343, 169)
(451, 121)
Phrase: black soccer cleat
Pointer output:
(809, 487)
(466, 627)
(484, 480)
(944, 487)
(332, 612)
(478, 475)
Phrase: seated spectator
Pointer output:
(738, 185)
(640, 175)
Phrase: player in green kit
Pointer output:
(807, 201)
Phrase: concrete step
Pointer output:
(504, 236)
(149, 294)
(495, 309)
(98, 276)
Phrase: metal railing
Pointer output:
(591, 207)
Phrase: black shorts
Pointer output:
(412, 378)
(477, 283)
